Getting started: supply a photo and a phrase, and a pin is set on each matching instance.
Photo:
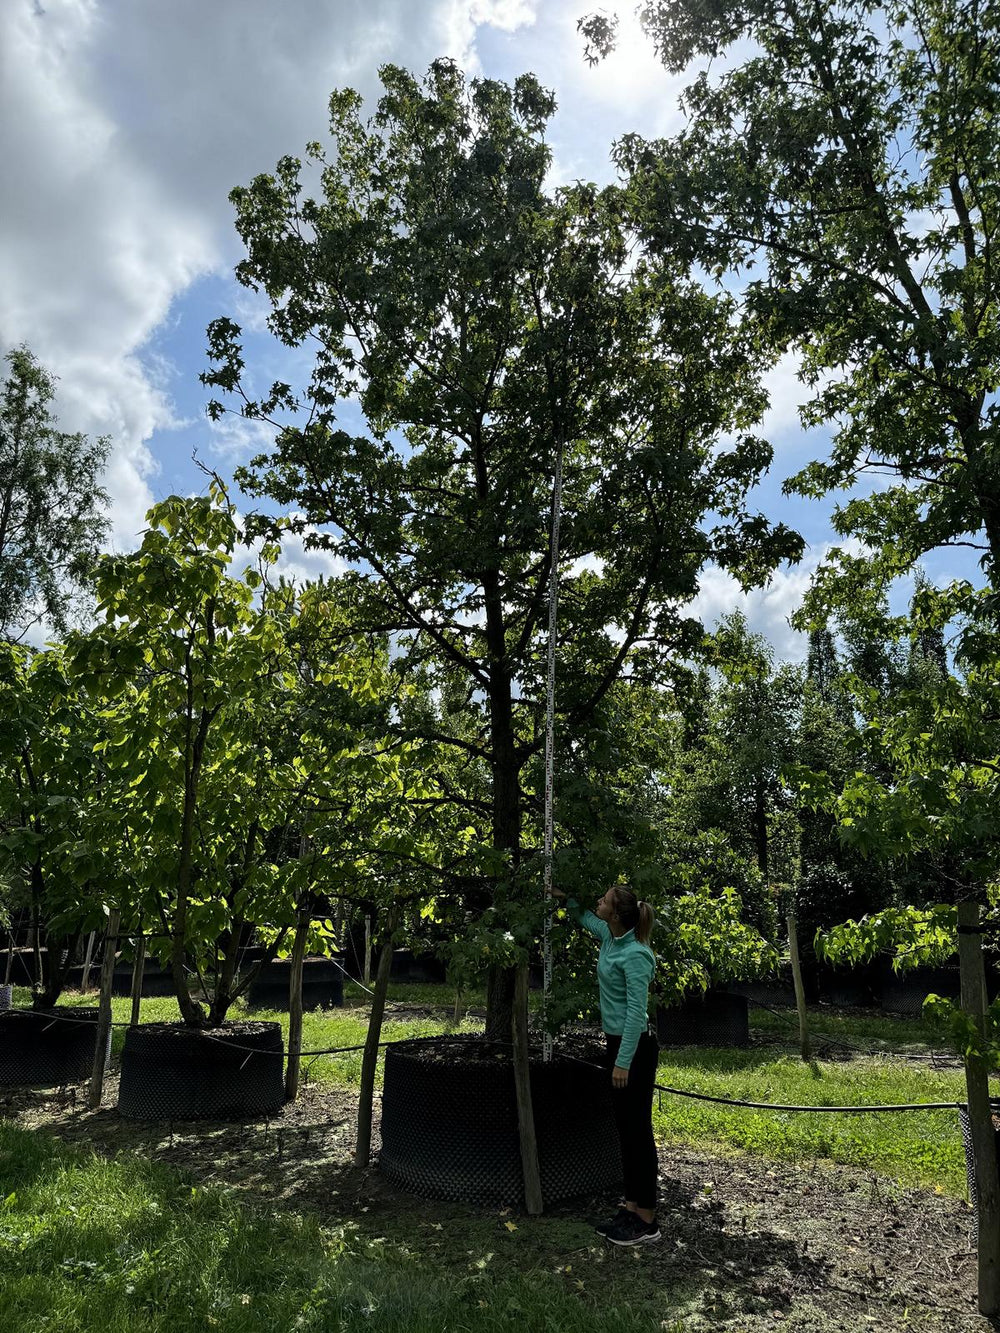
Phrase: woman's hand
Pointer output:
(619, 1077)
(558, 893)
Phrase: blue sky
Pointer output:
(128, 123)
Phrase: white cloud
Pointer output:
(127, 125)
(766, 609)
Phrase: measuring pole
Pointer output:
(550, 719)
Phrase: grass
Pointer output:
(120, 1245)
(915, 1148)
(126, 1244)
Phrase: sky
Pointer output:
(126, 124)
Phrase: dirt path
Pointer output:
(750, 1245)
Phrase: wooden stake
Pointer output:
(533, 1201)
(805, 1046)
(104, 1012)
(367, 977)
(977, 1084)
(138, 967)
(295, 1007)
(369, 1060)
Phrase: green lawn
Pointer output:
(91, 1245)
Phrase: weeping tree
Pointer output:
(484, 323)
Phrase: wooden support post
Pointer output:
(367, 977)
(369, 1061)
(977, 1084)
(104, 1012)
(805, 1046)
(138, 967)
(87, 956)
(295, 1007)
(533, 1201)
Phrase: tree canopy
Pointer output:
(52, 519)
(483, 323)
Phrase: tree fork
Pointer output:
(295, 1006)
(369, 1059)
(104, 1013)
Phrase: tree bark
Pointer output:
(369, 1060)
(104, 1012)
(533, 1201)
(295, 1007)
(138, 967)
(977, 1084)
(805, 1046)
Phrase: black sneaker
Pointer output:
(603, 1228)
(632, 1230)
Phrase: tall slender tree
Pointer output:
(52, 519)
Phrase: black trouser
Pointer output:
(633, 1106)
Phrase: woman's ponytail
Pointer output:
(644, 926)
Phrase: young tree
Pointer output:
(232, 737)
(485, 326)
(929, 799)
(52, 789)
(52, 523)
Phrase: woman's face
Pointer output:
(605, 908)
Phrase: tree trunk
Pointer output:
(369, 1060)
(805, 1047)
(104, 1012)
(533, 1201)
(499, 1003)
(138, 967)
(367, 971)
(88, 955)
(977, 1083)
(760, 828)
(191, 1011)
(295, 1007)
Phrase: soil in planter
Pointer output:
(172, 1072)
(449, 1123)
(46, 1048)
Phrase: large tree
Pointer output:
(52, 520)
(846, 162)
(483, 324)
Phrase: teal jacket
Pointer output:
(624, 970)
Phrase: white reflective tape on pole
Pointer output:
(550, 721)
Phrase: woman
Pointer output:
(625, 967)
